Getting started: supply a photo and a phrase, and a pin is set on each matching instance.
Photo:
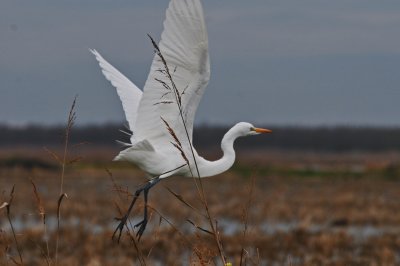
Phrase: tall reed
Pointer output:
(178, 101)
(42, 213)
(67, 132)
(7, 205)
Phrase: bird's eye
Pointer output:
(252, 129)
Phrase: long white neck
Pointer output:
(210, 168)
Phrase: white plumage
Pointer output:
(184, 45)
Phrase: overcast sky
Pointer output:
(287, 62)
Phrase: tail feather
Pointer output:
(143, 145)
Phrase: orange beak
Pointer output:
(262, 130)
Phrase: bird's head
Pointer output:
(247, 129)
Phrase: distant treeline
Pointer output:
(283, 138)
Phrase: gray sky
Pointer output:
(285, 62)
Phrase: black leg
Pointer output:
(143, 223)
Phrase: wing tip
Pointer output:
(98, 56)
(93, 51)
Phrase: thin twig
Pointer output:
(156, 237)
(245, 218)
(198, 227)
(7, 205)
(43, 252)
(181, 199)
(196, 251)
(138, 250)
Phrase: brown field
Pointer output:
(303, 209)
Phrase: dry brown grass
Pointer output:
(300, 218)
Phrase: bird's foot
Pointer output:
(143, 223)
(120, 227)
(142, 226)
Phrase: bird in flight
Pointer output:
(161, 117)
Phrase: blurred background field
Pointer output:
(316, 193)
(314, 196)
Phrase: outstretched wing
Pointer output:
(128, 92)
(184, 45)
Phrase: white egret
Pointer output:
(161, 118)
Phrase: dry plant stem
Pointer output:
(138, 250)
(246, 218)
(181, 199)
(70, 123)
(156, 237)
(46, 256)
(42, 252)
(177, 98)
(46, 239)
(201, 191)
(196, 251)
(8, 207)
(42, 214)
(198, 227)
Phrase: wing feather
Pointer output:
(184, 45)
(128, 92)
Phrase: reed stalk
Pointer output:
(7, 205)
(67, 132)
(200, 189)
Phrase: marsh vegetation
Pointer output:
(302, 208)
